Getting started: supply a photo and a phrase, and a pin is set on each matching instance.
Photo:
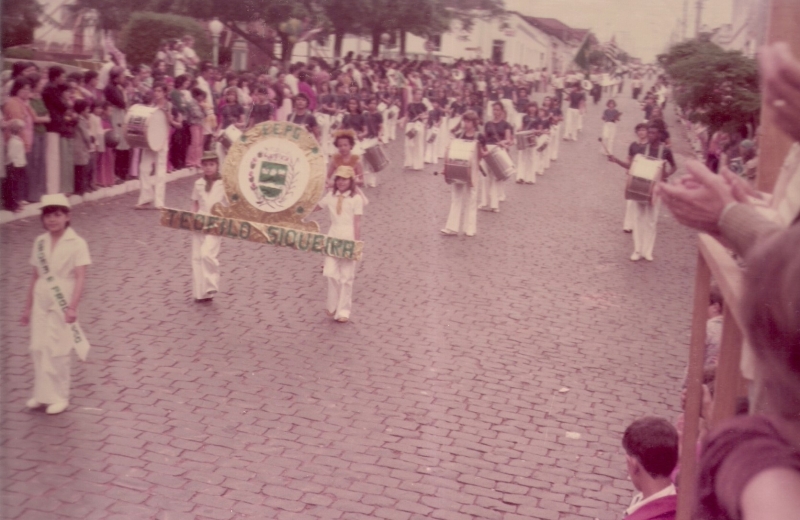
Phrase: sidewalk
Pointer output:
(32, 210)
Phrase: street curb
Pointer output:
(32, 210)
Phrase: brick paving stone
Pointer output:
(440, 399)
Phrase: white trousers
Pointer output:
(580, 121)
(609, 132)
(627, 223)
(153, 177)
(50, 387)
(340, 273)
(644, 227)
(490, 190)
(463, 203)
(431, 150)
(555, 138)
(415, 147)
(527, 165)
(53, 162)
(571, 124)
(390, 128)
(205, 265)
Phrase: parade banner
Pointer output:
(274, 175)
(262, 233)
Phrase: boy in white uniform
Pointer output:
(645, 214)
(59, 261)
(208, 191)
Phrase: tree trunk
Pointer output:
(261, 43)
(338, 40)
(287, 48)
(402, 43)
(376, 42)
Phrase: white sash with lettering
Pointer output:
(79, 341)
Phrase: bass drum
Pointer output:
(146, 127)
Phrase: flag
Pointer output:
(581, 58)
(611, 50)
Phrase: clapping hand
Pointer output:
(781, 77)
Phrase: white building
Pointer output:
(511, 39)
(747, 30)
(64, 30)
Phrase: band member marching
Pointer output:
(59, 262)
(611, 117)
(153, 185)
(373, 121)
(345, 206)
(434, 132)
(302, 116)
(463, 213)
(498, 134)
(208, 191)
(541, 154)
(645, 214)
(556, 118)
(527, 167)
(415, 133)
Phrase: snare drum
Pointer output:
(525, 140)
(458, 161)
(499, 163)
(229, 136)
(541, 142)
(146, 127)
(376, 158)
(644, 175)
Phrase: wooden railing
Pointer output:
(713, 262)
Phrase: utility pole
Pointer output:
(698, 21)
(685, 21)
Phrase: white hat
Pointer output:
(56, 199)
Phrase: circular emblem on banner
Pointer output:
(273, 174)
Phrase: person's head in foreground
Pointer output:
(651, 449)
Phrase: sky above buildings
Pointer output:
(642, 27)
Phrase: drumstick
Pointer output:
(604, 146)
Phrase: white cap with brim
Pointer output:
(56, 199)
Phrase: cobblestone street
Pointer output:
(487, 377)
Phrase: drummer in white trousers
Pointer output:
(153, 165)
(373, 121)
(498, 133)
(464, 197)
(416, 116)
(645, 214)
(556, 118)
(207, 191)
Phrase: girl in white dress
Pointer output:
(345, 206)
(59, 261)
(208, 191)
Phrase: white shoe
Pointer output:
(649, 258)
(56, 408)
(32, 403)
(636, 256)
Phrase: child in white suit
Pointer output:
(59, 261)
(208, 191)
(345, 205)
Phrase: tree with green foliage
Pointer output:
(715, 87)
(19, 20)
(142, 35)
